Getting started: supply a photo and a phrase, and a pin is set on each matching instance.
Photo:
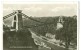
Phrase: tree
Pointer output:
(5, 28)
(69, 31)
(48, 26)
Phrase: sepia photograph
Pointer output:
(40, 26)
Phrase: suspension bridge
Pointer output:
(17, 24)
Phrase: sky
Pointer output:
(40, 10)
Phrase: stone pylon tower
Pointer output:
(20, 20)
(60, 23)
(17, 23)
(60, 19)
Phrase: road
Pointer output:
(46, 44)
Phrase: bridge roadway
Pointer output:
(45, 44)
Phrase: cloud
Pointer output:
(60, 9)
(43, 9)
(33, 9)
